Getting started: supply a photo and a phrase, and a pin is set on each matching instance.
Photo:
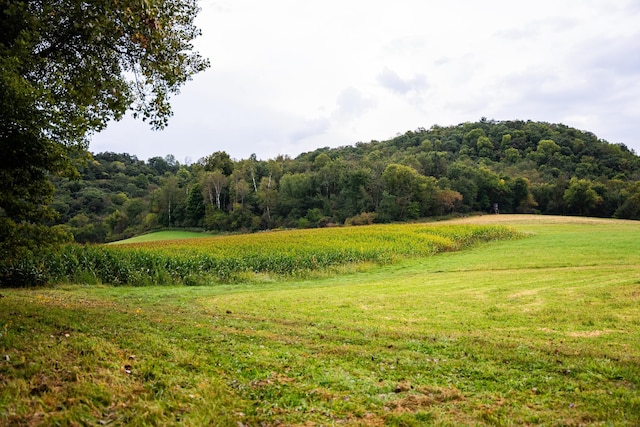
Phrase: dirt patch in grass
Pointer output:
(590, 334)
(580, 334)
(276, 379)
(525, 293)
(422, 398)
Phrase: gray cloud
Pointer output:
(619, 56)
(533, 30)
(632, 7)
(309, 129)
(392, 81)
(352, 104)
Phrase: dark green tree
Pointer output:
(522, 199)
(195, 207)
(354, 198)
(219, 160)
(295, 197)
(413, 192)
(580, 197)
(630, 208)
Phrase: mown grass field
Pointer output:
(543, 330)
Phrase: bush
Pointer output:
(365, 218)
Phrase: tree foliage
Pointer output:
(67, 67)
(524, 167)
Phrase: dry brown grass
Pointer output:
(535, 219)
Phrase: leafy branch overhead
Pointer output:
(91, 61)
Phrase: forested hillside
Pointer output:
(525, 167)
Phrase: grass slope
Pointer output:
(162, 235)
(543, 330)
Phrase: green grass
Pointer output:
(537, 331)
(162, 235)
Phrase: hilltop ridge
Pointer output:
(513, 166)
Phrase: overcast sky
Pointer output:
(290, 76)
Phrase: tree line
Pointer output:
(518, 166)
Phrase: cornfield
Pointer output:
(290, 253)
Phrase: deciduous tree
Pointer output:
(580, 197)
(67, 67)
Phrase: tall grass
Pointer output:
(296, 253)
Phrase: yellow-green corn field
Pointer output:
(287, 253)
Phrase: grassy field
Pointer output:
(162, 236)
(543, 330)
